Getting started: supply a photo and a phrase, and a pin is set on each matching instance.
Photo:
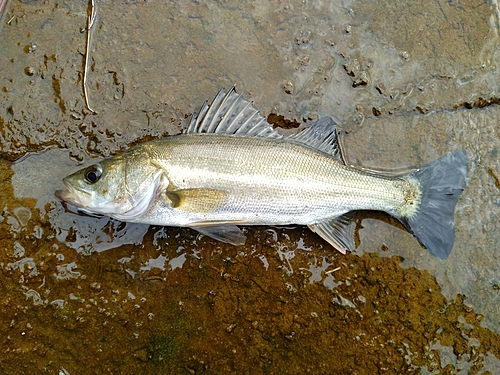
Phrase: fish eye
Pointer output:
(93, 173)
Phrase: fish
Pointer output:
(231, 168)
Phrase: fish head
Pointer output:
(122, 187)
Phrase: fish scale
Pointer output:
(281, 182)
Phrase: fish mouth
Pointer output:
(70, 195)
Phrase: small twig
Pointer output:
(90, 22)
(331, 271)
(92, 13)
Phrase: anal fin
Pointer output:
(338, 232)
(224, 233)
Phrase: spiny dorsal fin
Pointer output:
(321, 135)
(230, 114)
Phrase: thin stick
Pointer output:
(331, 271)
(90, 23)
(92, 13)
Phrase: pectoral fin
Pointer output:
(196, 200)
(224, 233)
(339, 232)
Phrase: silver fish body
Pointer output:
(231, 168)
(262, 181)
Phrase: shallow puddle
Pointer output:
(406, 82)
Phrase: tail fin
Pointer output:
(441, 183)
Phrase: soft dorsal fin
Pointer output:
(230, 114)
(321, 135)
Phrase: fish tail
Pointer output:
(441, 183)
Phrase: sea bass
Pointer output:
(230, 168)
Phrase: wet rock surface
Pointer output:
(406, 82)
